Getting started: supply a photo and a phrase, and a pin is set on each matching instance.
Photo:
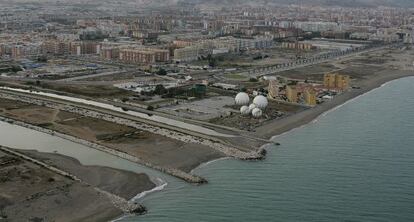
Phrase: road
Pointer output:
(90, 76)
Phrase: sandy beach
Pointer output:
(366, 74)
(288, 123)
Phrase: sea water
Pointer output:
(355, 163)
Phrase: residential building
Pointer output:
(336, 81)
(291, 93)
(309, 97)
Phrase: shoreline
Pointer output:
(347, 97)
(279, 127)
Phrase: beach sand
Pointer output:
(277, 127)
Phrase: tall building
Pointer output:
(19, 51)
(310, 97)
(297, 45)
(109, 52)
(292, 94)
(336, 81)
(329, 80)
(342, 82)
(55, 47)
(144, 55)
(85, 47)
(190, 53)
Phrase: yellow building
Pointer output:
(297, 45)
(292, 94)
(335, 80)
(342, 82)
(329, 80)
(310, 97)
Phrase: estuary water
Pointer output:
(355, 163)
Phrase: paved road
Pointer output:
(90, 76)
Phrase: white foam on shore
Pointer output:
(160, 185)
(208, 163)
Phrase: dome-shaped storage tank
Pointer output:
(261, 102)
(252, 107)
(242, 99)
(257, 113)
(244, 110)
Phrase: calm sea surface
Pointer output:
(355, 163)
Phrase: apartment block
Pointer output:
(292, 94)
(309, 97)
(144, 55)
(335, 80)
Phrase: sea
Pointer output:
(353, 163)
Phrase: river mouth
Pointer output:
(22, 138)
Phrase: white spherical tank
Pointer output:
(252, 107)
(244, 110)
(242, 99)
(257, 113)
(261, 102)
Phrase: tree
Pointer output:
(124, 100)
(161, 72)
(42, 59)
(160, 89)
(212, 61)
(16, 69)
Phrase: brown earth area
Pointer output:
(29, 192)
